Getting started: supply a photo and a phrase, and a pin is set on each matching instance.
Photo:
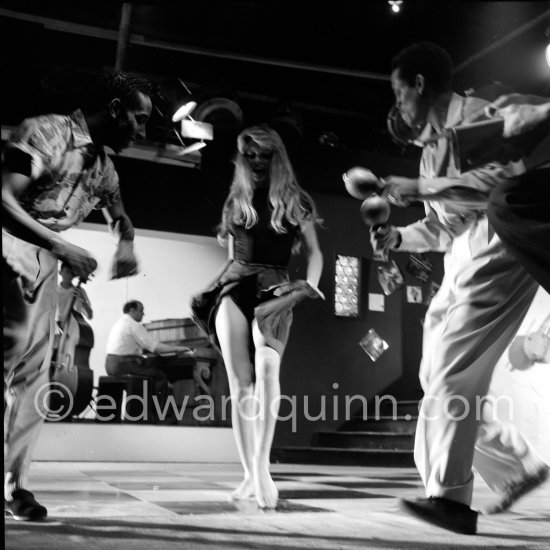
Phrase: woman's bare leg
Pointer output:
(268, 392)
(233, 335)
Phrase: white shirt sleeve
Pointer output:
(144, 339)
(128, 337)
(426, 234)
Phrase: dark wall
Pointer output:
(323, 363)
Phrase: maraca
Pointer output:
(361, 183)
(375, 212)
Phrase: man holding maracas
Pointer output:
(483, 299)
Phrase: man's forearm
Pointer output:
(123, 228)
(161, 347)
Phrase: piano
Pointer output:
(196, 364)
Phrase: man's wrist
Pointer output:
(126, 243)
(57, 245)
(122, 228)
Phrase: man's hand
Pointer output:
(124, 262)
(81, 261)
(521, 113)
(79, 293)
(384, 238)
(519, 119)
(400, 191)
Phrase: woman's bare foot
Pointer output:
(244, 490)
(266, 491)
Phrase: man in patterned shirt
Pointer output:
(55, 172)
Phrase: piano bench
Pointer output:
(127, 393)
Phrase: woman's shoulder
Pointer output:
(308, 210)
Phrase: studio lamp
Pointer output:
(395, 5)
(184, 111)
(190, 128)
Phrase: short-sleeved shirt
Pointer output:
(70, 175)
(128, 337)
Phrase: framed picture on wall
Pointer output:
(348, 283)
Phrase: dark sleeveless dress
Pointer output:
(261, 257)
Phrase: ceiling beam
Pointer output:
(504, 40)
(140, 40)
(123, 35)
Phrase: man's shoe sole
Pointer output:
(433, 519)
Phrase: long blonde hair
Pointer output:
(287, 199)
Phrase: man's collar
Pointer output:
(454, 117)
(81, 132)
(455, 112)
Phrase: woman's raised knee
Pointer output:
(268, 363)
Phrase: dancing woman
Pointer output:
(247, 312)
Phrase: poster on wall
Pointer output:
(376, 302)
(389, 277)
(419, 266)
(520, 385)
(414, 294)
(532, 347)
(373, 344)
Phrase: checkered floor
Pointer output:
(167, 505)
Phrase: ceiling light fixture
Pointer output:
(197, 146)
(395, 5)
(190, 128)
(184, 111)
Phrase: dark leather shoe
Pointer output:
(449, 514)
(517, 490)
(23, 506)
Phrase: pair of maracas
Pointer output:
(363, 185)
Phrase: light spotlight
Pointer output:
(184, 111)
(548, 54)
(197, 146)
(395, 5)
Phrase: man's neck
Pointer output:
(96, 126)
(437, 115)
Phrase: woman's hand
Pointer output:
(298, 285)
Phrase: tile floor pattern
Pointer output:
(130, 506)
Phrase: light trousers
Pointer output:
(29, 323)
(484, 297)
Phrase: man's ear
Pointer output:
(420, 84)
(114, 107)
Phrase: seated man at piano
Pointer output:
(126, 344)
